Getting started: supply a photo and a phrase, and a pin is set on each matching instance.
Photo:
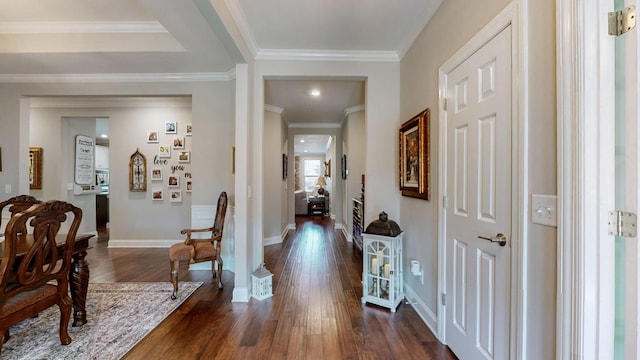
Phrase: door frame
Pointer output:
(586, 118)
(512, 15)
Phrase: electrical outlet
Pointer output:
(7, 188)
(544, 210)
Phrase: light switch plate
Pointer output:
(7, 188)
(544, 210)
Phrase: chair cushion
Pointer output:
(27, 298)
(204, 250)
(180, 252)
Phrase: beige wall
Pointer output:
(455, 22)
(134, 217)
(274, 186)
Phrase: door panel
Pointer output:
(478, 173)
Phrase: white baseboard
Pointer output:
(426, 314)
(292, 226)
(346, 235)
(337, 226)
(272, 240)
(240, 295)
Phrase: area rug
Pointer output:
(119, 315)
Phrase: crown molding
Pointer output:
(327, 55)
(314, 126)
(241, 22)
(353, 109)
(110, 102)
(122, 77)
(75, 27)
(273, 109)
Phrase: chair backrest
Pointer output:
(18, 203)
(221, 212)
(31, 254)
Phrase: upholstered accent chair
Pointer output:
(34, 270)
(301, 202)
(201, 249)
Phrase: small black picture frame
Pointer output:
(285, 159)
(345, 172)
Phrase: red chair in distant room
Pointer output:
(202, 249)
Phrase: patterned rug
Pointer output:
(119, 315)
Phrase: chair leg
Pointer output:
(175, 265)
(219, 260)
(65, 315)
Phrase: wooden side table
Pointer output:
(317, 204)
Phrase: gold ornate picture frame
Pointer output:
(35, 168)
(414, 156)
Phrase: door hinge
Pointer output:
(622, 223)
(444, 299)
(444, 104)
(622, 21)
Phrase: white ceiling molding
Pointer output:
(105, 78)
(243, 25)
(353, 109)
(328, 55)
(314, 126)
(81, 27)
(273, 109)
(110, 102)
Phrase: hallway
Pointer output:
(315, 312)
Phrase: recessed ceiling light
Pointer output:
(315, 92)
(301, 140)
(305, 150)
(104, 136)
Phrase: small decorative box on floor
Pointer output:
(382, 263)
(262, 283)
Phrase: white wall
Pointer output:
(419, 90)
(274, 184)
(354, 146)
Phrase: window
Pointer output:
(312, 170)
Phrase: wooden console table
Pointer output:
(317, 204)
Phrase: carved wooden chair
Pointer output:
(17, 204)
(34, 270)
(199, 250)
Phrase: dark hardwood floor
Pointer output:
(315, 311)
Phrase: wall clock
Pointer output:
(137, 172)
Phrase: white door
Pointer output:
(478, 214)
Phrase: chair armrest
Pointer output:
(189, 231)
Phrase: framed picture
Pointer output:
(157, 194)
(35, 168)
(188, 130)
(184, 156)
(175, 195)
(414, 156)
(285, 160)
(327, 168)
(0, 159)
(189, 186)
(178, 143)
(164, 151)
(152, 136)
(156, 175)
(174, 181)
(170, 127)
(343, 164)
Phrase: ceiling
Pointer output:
(106, 40)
